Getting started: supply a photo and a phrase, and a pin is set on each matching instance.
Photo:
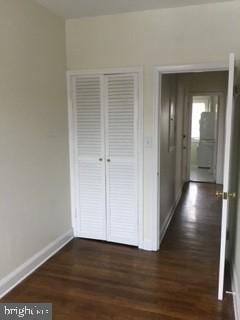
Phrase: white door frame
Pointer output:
(157, 76)
(188, 119)
(73, 191)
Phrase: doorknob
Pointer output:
(226, 195)
(219, 194)
(232, 195)
(108, 160)
(100, 159)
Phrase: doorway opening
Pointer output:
(179, 91)
(203, 146)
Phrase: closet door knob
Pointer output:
(108, 160)
(100, 159)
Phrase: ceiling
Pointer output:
(86, 8)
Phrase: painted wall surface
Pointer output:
(167, 153)
(189, 35)
(181, 100)
(34, 170)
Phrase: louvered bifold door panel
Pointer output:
(121, 153)
(90, 166)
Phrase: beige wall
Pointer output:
(197, 34)
(34, 184)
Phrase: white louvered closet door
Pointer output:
(88, 117)
(121, 94)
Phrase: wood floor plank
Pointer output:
(91, 280)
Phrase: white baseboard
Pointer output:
(170, 215)
(236, 292)
(23, 271)
(146, 245)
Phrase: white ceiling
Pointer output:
(86, 8)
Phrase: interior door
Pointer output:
(88, 122)
(229, 184)
(122, 154)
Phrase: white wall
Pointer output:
(34, 184)
(196, 34)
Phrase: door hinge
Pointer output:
(226, 195)
(233, 293)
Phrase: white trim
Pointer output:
(170, 215)
(139, 71)
(188, 115)
(236, 292)
(147, 245)
(72, 169)
(23, 271)
(140, 157)
(192, 68)
(156, 161)
(157, 72)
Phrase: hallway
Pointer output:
(91, 280)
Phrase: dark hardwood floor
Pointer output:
(91, 280)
